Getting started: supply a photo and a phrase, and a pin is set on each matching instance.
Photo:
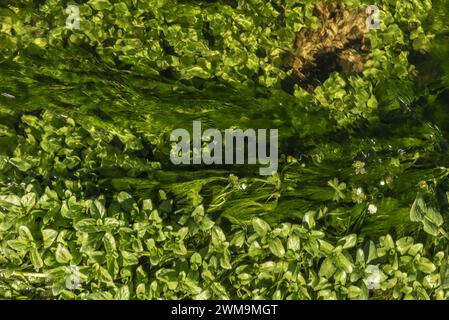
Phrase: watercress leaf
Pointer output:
(62, 254)
(25, 234)
(430, 227)
(276, 247)
(260, 226)
(348, 242)
(343, 263)
(434, 216)
(426, 266)
(88, 225)
(49, 236)
(36, 259)
(417, 211)
(19, 245)
(327, 268)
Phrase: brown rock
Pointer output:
(339, 44)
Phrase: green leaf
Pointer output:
(372, 251)
(97, 209)
(343, 263)
(276, 247)
(309, 219)
(430, 227)
(205, 295)
(87, 225)
(387, 242)
(169, 277)
(418, 209)
(206, 224)
(25, 234)
(218, 236)
(10, 200)
(147, 205)
(122, 293)
(49, 236)
(404, 244)
(435, 217)
(19, 245)
(62, 254)
(254, 249)
(104, 276)
(238, 239)
(293, 243)
(326, 247)
(327, 268)
(348, 242)
(21, 164)
(129, 258)
(36, 259)
(415, 249)
(196, 258)
(354, 292)
(28, 201)
(109, 243)
(260, 226)
(429, 217)
(100, 4)
(426, 266)
(225, 261)
(444, 273)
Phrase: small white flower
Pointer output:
(359, 191)
(382, 183)
(372, 209)
(242, 186)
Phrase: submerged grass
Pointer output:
(357, 210)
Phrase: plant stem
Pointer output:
(23, 274)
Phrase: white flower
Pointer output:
(242, 186)
(372, 209)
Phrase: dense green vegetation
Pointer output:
(91, 207)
